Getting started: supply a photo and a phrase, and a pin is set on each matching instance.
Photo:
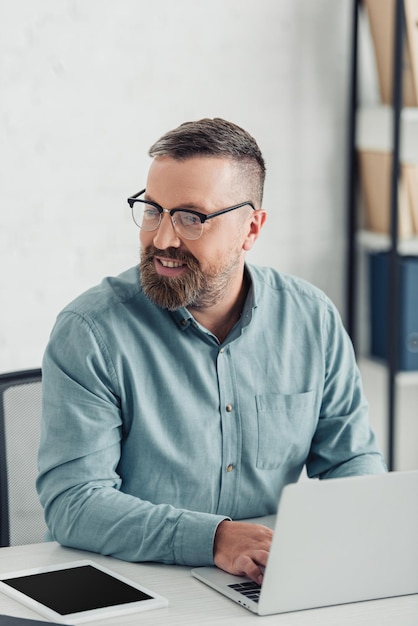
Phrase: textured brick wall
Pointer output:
(87, 85)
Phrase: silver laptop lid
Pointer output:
(343, 540)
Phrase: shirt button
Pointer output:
(222, 350)
(184, 322)
(228, 408)
(230, 468)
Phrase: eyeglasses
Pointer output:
(188, 223)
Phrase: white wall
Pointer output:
(87, 85)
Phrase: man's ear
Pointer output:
(256, 223)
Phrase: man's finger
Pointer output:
(252, 565)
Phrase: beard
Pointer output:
(195, 288)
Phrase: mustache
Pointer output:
(172, 253)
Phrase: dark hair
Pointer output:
(216, 137)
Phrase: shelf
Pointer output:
(374, 131)
(375, 382)
(377, 242)
(392, 132)
(404, 379)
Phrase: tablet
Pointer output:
(77, 592)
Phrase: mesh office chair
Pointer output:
(21, 515)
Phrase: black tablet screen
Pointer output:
(76, 589)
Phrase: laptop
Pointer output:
(335, 541)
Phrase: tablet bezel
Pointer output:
(156, 601)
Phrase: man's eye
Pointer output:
(189, 219)
(150, 213)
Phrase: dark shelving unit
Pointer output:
(352, 222)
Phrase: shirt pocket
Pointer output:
(285, 426)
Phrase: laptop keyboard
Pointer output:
(248, 589)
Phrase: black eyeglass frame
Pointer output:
(203, 217)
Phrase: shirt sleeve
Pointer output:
(81, 441)
(344, 443)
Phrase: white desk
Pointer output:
(192, 602)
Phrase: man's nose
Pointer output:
(166, 236)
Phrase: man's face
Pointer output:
(177, 272)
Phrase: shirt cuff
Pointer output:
(193, 542)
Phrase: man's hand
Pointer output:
(241, 548)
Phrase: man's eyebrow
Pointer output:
(148, 197)
(186, 205)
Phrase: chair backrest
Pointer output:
(21, 514)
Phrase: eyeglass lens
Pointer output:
(148, 218)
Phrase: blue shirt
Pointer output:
(153, 432)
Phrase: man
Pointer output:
(185, 395)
